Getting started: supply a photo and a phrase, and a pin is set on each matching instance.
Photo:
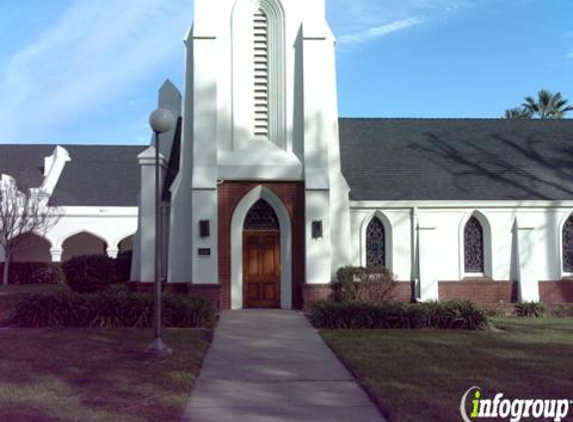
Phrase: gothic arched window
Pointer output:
(567, 246)
(261, 216)
(473, 246)
(375, 243)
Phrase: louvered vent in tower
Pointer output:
(261, 73)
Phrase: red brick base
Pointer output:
(403, 292)
(555, 292)
(481, 292)
(209, 291)
(313, 293)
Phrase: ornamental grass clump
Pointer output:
(455, 315)
(530, 310)
(111, 309)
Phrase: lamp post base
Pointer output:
(159, 349)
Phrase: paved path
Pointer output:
(272, 366)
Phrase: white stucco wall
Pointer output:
(110, 224)
(522, 240)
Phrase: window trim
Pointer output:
(487, 246)
(562, 271)
(388, 238)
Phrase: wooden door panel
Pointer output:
(253, 292)
(252, 262)
(261, 269)
(270, 291)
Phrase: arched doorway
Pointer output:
(31, 248)
(126, 245)
(83, 243)
(261, 257)
(238, 221)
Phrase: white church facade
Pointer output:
(267, 192)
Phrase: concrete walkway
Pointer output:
(272, 366)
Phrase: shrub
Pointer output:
(89, 273)
(460, 315)
(50, 310)
(529, 309)
(34, 273)
(187, 311)
(562, 311)
(364, 284)
(123, 267)
(110, 310)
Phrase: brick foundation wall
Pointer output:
(482, 292)
(403, 292)
(292, 196)
(313, 293)
(555, 292)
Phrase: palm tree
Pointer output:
(517, 113)
(547, 106)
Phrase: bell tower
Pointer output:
(259, 112)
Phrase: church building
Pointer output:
(266, 192)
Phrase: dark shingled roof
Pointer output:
(382, 159)
(457, 159)
(98, 175)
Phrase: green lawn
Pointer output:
(88, 375)
(415, 373)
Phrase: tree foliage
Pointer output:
(547, 105)
(22, 213)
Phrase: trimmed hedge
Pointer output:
(455, 315)
(123, 267)
(364, 284)
(112, 309)
(89, 273)
(34, 273)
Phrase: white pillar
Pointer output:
(527, 265)
(146, 238)
(318, 250)
(112, 252)
(56, 254)
(427, 261)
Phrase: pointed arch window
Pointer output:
(261, 216)
(568, 245)
(473, 246)
(375, 243)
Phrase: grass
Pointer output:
(413, 373)
(57, 375)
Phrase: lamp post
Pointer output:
(161, 121)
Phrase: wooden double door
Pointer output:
(261, 269)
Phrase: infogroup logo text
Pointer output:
(513, 410)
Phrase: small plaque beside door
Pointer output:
(204, 252)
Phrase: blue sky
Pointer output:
(87, 71)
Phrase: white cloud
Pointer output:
(95, 53)
(378, 32)
(357, 22)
